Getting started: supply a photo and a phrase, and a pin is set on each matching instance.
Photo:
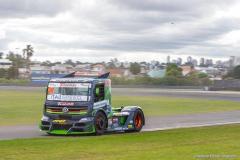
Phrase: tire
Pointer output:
(138, 120)
(100, 123)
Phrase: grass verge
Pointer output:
(25, 107)
(191, 143)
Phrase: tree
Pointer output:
(17, 62)
(202, 75)
(1, 55)
(12, 73)
(135, 68)
(173, 70)
(27, 54)
(236, 72)
(47, 63)
(70, 62)
(3, 73)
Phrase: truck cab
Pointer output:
(76, 105)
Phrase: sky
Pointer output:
(130, 30)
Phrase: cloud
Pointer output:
(97, 30)
(28, 8)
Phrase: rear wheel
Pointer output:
(138, 120)
(100, 123)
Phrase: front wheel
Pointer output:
(100, 123)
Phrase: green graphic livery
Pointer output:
(77, 104)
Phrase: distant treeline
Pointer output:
(168, 80)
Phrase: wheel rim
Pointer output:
(100, 123)
(138, 120)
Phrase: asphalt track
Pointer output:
(152, 123)
(181, 93)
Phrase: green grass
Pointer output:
(164, 106)
(182, 144)
(25, 107)
(14, 81)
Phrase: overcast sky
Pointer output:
(131, 30)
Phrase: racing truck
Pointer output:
(78, 104)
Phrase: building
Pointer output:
(187, 69)
(202, 62)
(100, 68)
(236, 61)
(5, 63)
(127, 73)
(209, 62)
(157, 73)
(61, 69)
(194, 62)
(126, 64)
(143, 68)
(38, 69)
(168, 59)
(179, 61)
(116, 72)
(23, 73)
(83, 66)
(189, 59)
(40, 74)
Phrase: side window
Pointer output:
(99, 92)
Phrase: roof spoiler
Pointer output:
(76, 74)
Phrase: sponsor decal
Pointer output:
(115, 120)
(110, 122)
(121, 114)
(69, 85)
(66, 103)
(59, 97)
(118, 128)
(130, 126)
(60, 121)
(100, 104)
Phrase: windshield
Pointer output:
(69, 91)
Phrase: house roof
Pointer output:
(5, 61)
(157, 73)
(115, 71)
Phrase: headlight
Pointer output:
(86, 119)
(45, 118)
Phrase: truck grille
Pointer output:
(71, 110)
(61, 126)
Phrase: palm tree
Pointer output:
(28, 53)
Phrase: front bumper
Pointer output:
(68, 127)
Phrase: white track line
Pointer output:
(190, 126)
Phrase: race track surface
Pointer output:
(181, 93)
(152, 124)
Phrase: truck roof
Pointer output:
(77, 79)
